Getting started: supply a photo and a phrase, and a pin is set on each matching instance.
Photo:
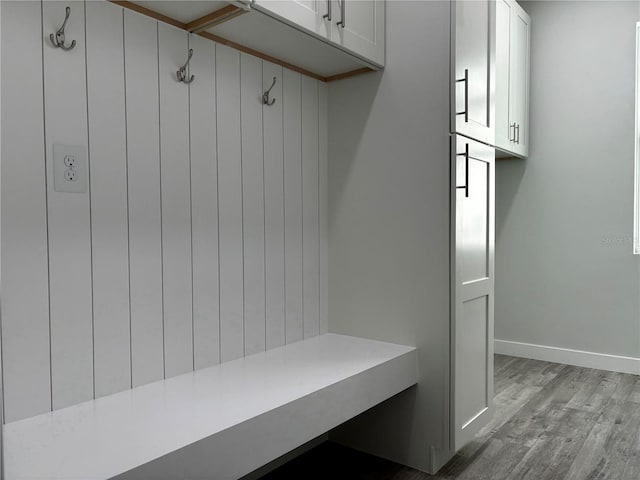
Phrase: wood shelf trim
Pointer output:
(223, 15)
(352, 73)
(215, 18)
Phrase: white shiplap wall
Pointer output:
(203, 235)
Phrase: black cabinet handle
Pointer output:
(466, 94)
(342, 19)
(466, 170)
(328, 14)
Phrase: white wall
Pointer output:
(565, 273)
(389, 225)
(202, 235)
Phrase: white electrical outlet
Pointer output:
(69, 169)
(70, 161)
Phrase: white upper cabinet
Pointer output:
(303, 13)
(519, 85)
(473, 36)
(358, 26)
(504, 129)
(513, 38)
(355, 26)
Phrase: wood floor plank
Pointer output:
(621, 447)
(508, 404)
(610, 443)
(590, 393)
(564, 439)
(625, 386)
(502, 361)
(632, 467)
(634, 395)
(496, 462)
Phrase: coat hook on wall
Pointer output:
(182, 73)
(265, 95)
(58, 39)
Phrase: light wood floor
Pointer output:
(552, 422)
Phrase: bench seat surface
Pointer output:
(103, 438)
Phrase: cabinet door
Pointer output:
(301, 13)
(358, 26)
(473, 171)
(519, 83)
(505, 127)
(473, 69)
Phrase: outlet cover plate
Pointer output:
(61, 156)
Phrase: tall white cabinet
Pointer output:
(513, 38)
(489, 111)
(472, 218)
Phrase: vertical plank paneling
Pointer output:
(204, 203)
(25, 291)
(173, 49)
(323, 208)
(310, 215)
(69, 216)
(203, 233)
(230, 203)
(143, 154)
(292, 120)
(110, 236)
(252, 203)
(274, 208)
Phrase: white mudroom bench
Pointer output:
(221, 422)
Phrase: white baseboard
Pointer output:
(579, 358)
